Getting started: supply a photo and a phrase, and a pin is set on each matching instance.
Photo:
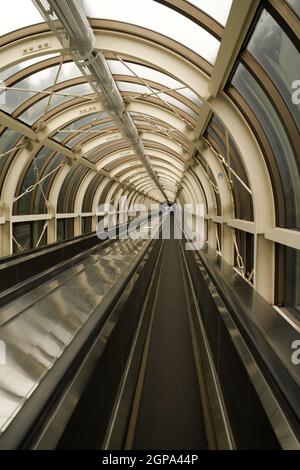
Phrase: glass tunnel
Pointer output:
(140, 341)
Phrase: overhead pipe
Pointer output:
(69, 23)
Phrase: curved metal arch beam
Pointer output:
(166, 175)
(191, 196)
(80, 193)
(195, 183)
(116, 197)
(216, 179)
(163, 140)
(167, 184)
(116, 43)
(139, 182)
(159, 164)
(83, 187)
(225, 193)
(205, 188)
(246, 142)
(151, 191)
(88, 178)
(125, 166)
(103, 139)
(96, 144)
(152, 145)
(165, 180)
(156, 56)
(201, 197)
(114, 187)
(166, 158)
(61, 120)
(166, 116)
(205, 183)
(135, 201)
(120, 154)
(156, 153)
(253, 159)
(138, 200)
(174, 138)
(152, 111)
(179, 68)
(186, 197)
(148, 188)
(132, 199)
(130, 96)
(133, 178)
(98, 193)
(162, 172)
(194, 187)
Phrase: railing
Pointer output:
(23, 271)
(89, 371)
(251, 347)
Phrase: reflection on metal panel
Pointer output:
(45, 321)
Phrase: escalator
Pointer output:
(138, 345)
(193, 378)
(167, 409)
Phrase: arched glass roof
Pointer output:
(170, 23)
(211, 87)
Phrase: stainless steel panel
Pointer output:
(38, 327)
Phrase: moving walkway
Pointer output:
(140, 344)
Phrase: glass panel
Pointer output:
(69, 228)
(35, 112)
(27, 235)
(18, 14)
(90, 193)
(274, 51)
(292, 280)
(244, 211)
(147, 73)
(75, 125)
(218, 123)
(245, 243)
(86, 225)
(22, 234)
(8, 140)
(295, 5)
(60, 227)
(37, 82)
(92, 132)
(44, 188)
(69, 188)
(65, 229)
(243, 205)
(141, 89)
(7, 73)
(117, 68)
(24, 204)
(216, 9)
(273, 128)
(170, 23)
